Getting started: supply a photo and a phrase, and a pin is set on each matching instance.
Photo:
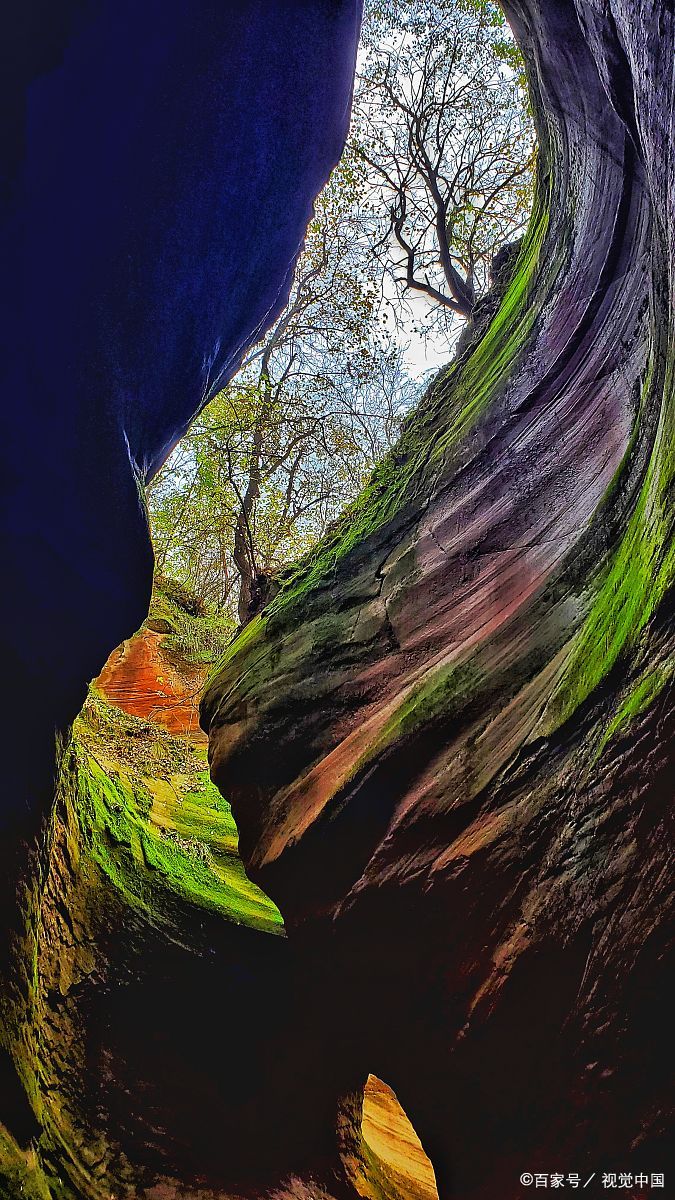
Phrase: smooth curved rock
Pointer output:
(163, 162)
(144, 679)
(158, 173)
(448, 739)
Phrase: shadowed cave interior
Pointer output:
(148, 928)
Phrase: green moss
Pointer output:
(21, 1176)
(453, 403)
(491, 363)
(632, 585)
(443, 694)
(249, 634)
(639, 698)
(451, 406)
(191, 852)
(152, 844)
(155, 838)
(447, 688)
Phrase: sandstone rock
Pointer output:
(448, 739)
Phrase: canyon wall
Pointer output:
(159, 164)
(159, 168)
(448, 740)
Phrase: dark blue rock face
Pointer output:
(160, 166)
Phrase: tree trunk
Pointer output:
(244, 548)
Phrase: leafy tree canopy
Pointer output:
(436, 177)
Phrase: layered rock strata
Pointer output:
(448, 740)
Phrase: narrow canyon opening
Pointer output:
(147, 922)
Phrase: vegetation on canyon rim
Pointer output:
(436, 177)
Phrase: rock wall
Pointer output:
(159, 163)
(158, 673)
(162, 1037)
(159, 170)
(448, 741)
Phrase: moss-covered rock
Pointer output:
(447, 739)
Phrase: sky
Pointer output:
(422, 355)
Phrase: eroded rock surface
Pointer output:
(448, 740)
(156, 187)
(164, 1038)
(158, 673)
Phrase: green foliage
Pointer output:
(289, 443)
(453, 402)
(280, 451)
(194, 632)
(403, 479)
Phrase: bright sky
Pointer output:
(422, 355)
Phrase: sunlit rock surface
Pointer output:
(142, 679)
(448, 741)
(391, 1139)
(158, 673)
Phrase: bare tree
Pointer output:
(442, 126)
(285, 446)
